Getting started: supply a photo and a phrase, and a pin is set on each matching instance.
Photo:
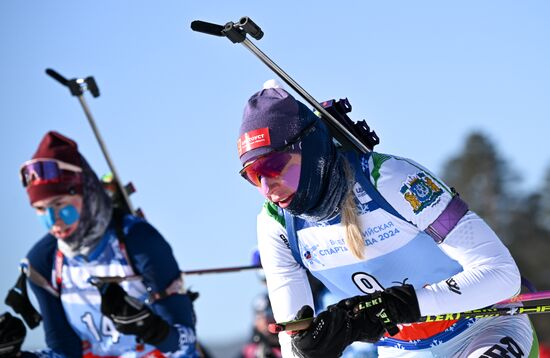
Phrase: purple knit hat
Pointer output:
(271, 118)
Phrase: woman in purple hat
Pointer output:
(87, 240)
(381, 232)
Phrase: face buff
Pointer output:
(94, 217)
(323, 183)
(68, 214)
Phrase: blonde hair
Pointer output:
(350, 221)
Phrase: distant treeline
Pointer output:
(489, 184)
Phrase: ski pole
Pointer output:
(524, 297)
(221, 270)
(301, 324)
(77, 87)
(236, 33)
(119, 279)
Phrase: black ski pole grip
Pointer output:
(56, 76)
(251, 28)
(92, 86)
(73, 85)
(207, 28)
(234, 33)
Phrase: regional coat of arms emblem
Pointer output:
(420, 191)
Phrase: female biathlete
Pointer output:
(376, 229)
(151, 317)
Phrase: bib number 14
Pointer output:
(107, 328)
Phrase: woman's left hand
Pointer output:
(131, 316)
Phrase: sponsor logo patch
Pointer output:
(453, 285)
(361, 194)
(253, 139)
(309, 255)
(420, 191)
(285, 241)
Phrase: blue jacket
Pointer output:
(73, 323)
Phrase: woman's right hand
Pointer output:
(327, 336)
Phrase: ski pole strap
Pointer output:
(447, 220)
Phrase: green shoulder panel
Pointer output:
(378, 159)
(273, 211)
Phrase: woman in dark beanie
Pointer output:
(151, 317)
(376, 229)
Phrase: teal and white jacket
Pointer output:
(469, 269)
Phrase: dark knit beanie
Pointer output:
(56, 146)
(271, 118)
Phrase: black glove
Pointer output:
(327, 336)
(12, 335)
(131, 316)
(390, 307)
(367, 328)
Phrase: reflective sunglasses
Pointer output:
(46, 170)
(272, 164)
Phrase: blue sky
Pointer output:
(424, 74)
